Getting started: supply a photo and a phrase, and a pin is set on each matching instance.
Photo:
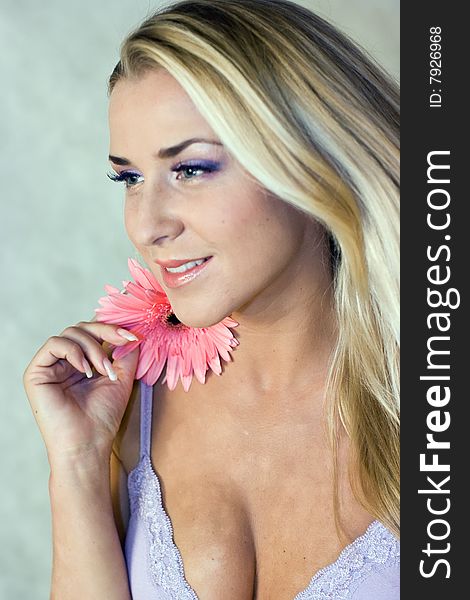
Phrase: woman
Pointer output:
(252, 133)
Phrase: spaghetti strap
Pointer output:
(146, 401)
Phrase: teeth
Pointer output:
(186, 266)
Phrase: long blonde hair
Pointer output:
(316, 121)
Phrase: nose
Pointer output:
(153, 220)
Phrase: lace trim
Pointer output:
(337, 581)
(164, 561)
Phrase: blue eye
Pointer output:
(124, 176)
(189, 168)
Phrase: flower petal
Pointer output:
(214, 364)
(111, 289)
(143, 276)
(146, 359)
(154, 372)
(137, 291)
(186, 381)
(121, 351)
(142, 307)
(172, 371)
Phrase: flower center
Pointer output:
(172, 319)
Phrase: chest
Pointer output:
(251, 504)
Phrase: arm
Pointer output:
(88, 560)
(79, 413)
(101, 530)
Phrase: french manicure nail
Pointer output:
(127, 334)
(109, 369)
(86, 366)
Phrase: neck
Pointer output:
(287, 333)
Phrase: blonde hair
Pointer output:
(315, 120)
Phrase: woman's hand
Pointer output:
(80, 415)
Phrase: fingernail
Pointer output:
(127, 334)
(109, 369)
(86, 366)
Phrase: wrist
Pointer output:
(80, 463)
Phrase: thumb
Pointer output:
(126, 366)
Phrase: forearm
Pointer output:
(88, 561)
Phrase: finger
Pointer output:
(108, 332)
(126, 366)
(92, 349)
(59, 348)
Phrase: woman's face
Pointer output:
(198, 203)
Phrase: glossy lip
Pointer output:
(174, 280)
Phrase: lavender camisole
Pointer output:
(366, 569)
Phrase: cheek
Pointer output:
(268, 227)
(242, 214)
(130, 223)
(262, 242)
(227, 226)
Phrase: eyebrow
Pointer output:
(167, 152)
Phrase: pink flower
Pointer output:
(144, 309)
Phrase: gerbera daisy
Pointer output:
(144, 309)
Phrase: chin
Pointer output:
(192, 319)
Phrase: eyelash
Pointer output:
(126, 175)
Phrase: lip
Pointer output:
(175, 280)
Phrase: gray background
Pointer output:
(62, 227)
